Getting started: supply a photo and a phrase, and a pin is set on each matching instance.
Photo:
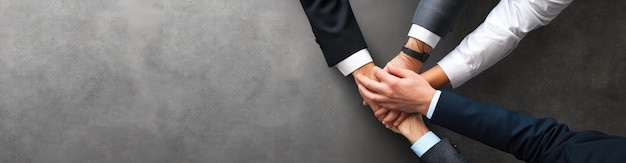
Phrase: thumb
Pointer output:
(400, 72)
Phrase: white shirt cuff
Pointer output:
(423, 144)
(460, 67)
(424, 35)
(355, 61)
(433, 104)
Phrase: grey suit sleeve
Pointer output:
(443, 152)
(438, 16)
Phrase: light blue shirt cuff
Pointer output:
(423, 144)
(433, 104)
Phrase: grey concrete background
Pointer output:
(244, 81)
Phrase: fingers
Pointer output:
(379, 93)
(381, 112)
(370, 84)
(395, 129)
(371, 95)
(390, 118)
(389, 104)
(400, 119)
(399, 72)
(383, 75)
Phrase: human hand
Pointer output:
(412, 128)
(366, 71)
(404, 61)
(387, 116)
(406, 91)
(383, 114)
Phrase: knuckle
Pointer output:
(390, 94)
(393, 83)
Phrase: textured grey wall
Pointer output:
(244, 81)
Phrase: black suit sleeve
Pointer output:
(335, 28)
(527, 138)
(443, 152)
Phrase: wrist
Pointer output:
(412, 128)
(436, 77)
(365, 70)
(417, 45)
(423, 109)
(407, 62)
(414, 135)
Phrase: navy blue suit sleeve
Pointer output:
(443, 151)
(335, 28)
(527, 138)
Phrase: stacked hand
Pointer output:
(383, 114)
(366, 71)
(393, 118)
(399, 90)
(384, 90)
(390, 118)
